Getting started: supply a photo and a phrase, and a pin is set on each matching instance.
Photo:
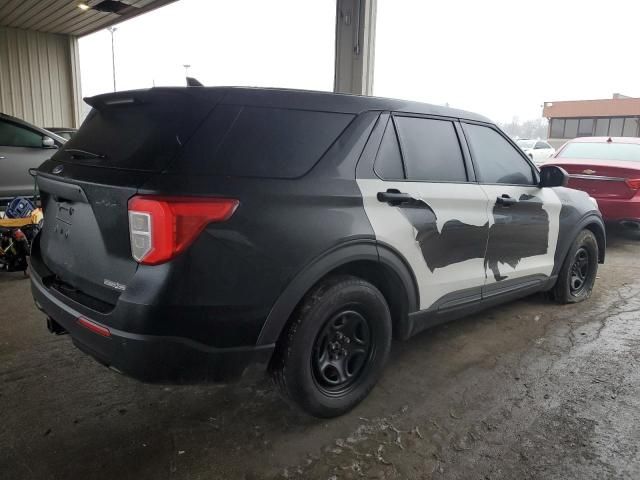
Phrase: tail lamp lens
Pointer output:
(93, 326)
(162, 227)
(634, 183)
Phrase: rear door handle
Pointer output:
(506, 201)
(394, 197)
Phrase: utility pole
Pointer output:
(186, 70)
(112, 30)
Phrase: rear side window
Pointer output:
(265, 142)
(388, 164)
(431, 150)
(496, 159)
(12, 135)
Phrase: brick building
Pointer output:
(615, 117)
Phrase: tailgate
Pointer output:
(85, 235)
(85, 187)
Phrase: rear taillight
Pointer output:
(634, 183)
(162, 227)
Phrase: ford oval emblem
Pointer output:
(57, 170)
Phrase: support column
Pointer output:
(76, 89)
(355, 44)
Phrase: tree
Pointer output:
(537, 128)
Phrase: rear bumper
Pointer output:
(150, 358)
(617, 210)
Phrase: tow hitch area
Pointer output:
(54, 327)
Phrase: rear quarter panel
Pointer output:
(239, 268)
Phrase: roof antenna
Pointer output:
(192, 82)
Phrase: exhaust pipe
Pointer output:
(54, 327)
(630, 224)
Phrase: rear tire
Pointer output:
(334, 349)
(579, 269)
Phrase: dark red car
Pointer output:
(608, 169)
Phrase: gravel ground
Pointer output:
(525, 390)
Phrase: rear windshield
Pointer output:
(526, 143)
(144, 135)
(260, 142)
(629, 152)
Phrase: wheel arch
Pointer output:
(592, 222)
(378, 264)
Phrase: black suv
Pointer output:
(192, 231)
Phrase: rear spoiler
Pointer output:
(100, 102)
(137, 97)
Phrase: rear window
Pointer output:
(142, 132)
(261, 141)
(629, 152)
(525, 143)
(431, 150)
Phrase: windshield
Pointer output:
(629, 152)
(526, 143)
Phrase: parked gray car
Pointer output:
(22, 146)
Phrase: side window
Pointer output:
(388, 164)
(557, 128)
(541, 145)
(431, 150)
(585, 127)
(615, 127)
(496, 159)
(12, 135)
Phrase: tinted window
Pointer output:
(557, 128)
(602, 151)
(12, 135)
(541, 145)
(571, 128)
(602, 127)
(261, 142)
(496, 159)
(585, 128)
(431, 150)
(615, 127)
(630, 127)
(143, 132)
(389, 161)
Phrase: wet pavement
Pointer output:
(525, 390)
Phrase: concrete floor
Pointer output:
(526, 390)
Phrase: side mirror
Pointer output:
(552, 176)
(47, 142)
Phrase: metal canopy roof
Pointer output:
(64, 16)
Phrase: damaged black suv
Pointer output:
(190, 232)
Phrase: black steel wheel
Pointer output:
(335, 347)
(579, 270)
(341, 351)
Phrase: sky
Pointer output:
(500, 58)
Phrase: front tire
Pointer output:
(578, 273)
(335, 348)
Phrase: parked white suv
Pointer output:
(537, 150)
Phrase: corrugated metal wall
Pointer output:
(38, 77)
